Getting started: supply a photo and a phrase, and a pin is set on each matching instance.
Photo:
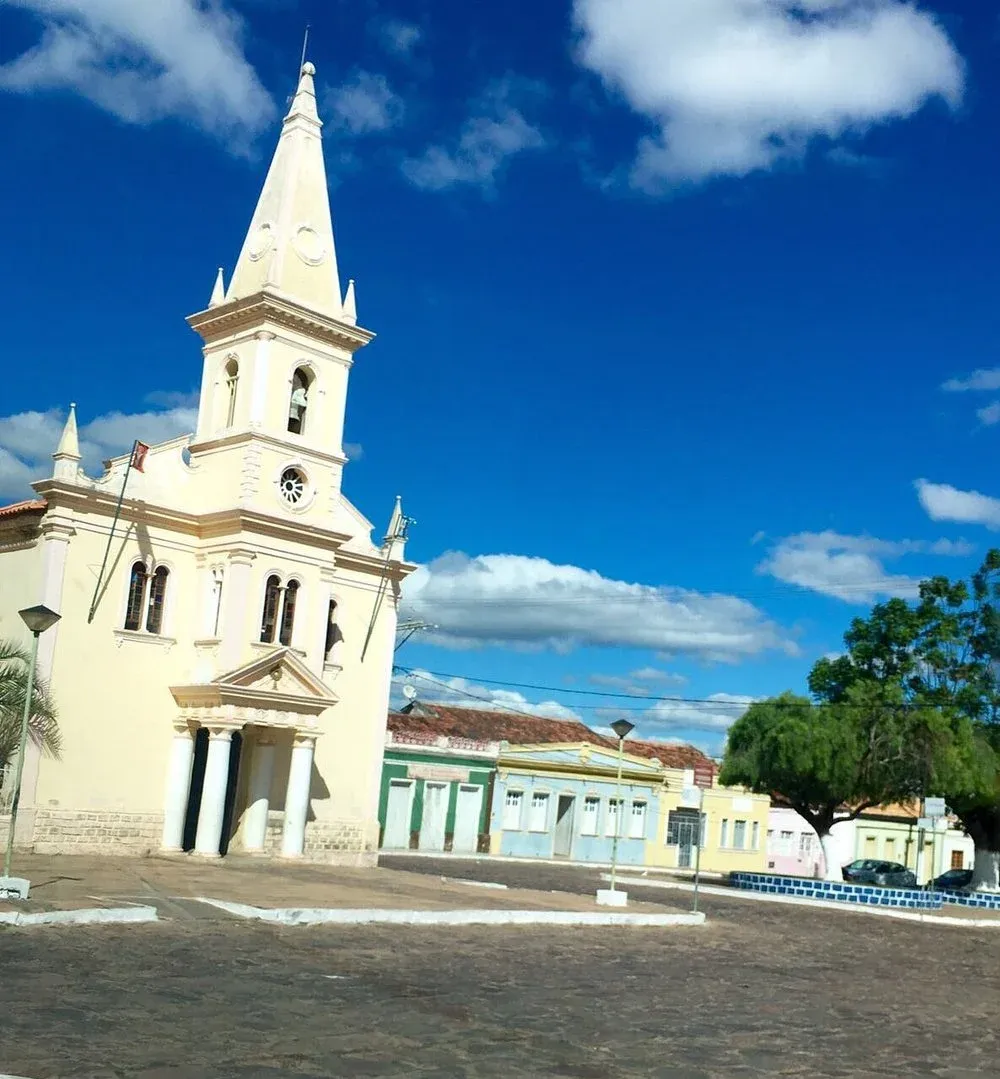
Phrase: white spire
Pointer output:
(395, 537)
(219, 291)
(289, 248)
(350, 305)
(67, 456)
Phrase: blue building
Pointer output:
(563, 801)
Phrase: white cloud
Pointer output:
(732, 86)
(28, 439)
(620, 684)
(144, 61)
(398, 36)
(850, 568)
(989, 415)
(716, 713)
(465, 694)
(516, 601)
(495, 132)
(982, 379)
(364, 104)
(944, 503)
(654, 674)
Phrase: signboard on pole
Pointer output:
(704, 773)
(934, 807)
(691, 798)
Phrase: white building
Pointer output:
(214, 686)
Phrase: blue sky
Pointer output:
(677, 304)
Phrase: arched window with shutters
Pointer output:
(136, 596)
(146, 605)
(157, 600)
(269, 618)
(288, 613)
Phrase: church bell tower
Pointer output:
(279, 341)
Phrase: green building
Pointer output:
(437, 789)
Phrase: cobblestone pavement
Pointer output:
(763, 990)
(62, 882)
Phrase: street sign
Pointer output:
(934, 807)
(691, 797)
(704, 773)
(927, 823)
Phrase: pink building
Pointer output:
(792, 845)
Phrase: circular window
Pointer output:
(292, 485)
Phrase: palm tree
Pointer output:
(42, 727)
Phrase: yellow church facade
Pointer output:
(222, 667)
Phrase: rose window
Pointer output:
(292, 485)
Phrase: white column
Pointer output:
(297, 796)
(261, 371)
(178, 788)
(261, 774)
(208, 838)
(236, 630)
(57, 534)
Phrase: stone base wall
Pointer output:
(96, 831)
(328, 842)
(99, 831)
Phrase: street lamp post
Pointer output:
(611, 897)
(38, 619)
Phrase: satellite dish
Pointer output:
(409, 693)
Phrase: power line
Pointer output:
(647, 702)
(559, 689)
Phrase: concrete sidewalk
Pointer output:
(175, 885)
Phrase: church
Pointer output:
(222, 663)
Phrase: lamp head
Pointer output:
(622, 728)
(38, 619)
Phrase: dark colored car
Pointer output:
(955, 880)
(861, 865)
(886, 874)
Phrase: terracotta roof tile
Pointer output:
(670, 754)
(484, 726)
(29, 505)
(480, 725)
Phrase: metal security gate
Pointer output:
(682, 832)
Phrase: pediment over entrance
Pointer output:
(280, 671)
(277, 690)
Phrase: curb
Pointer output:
(347, 916)
(450, 856)
(86, 916)
(820, 904)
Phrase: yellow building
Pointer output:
(893, 834)
(213, 685)
(733, 821)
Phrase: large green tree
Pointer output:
(830, 761)
(42, 726)
(940, 652)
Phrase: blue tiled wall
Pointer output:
(869, 895)
(981, 900)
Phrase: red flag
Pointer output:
(139, 451)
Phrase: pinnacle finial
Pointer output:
(67, 456)
(219, 291)
(350, 314)
(304, 101)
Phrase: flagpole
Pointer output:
(111, 534)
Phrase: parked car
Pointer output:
(861, 865)
(886, 874)
(955, 880)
